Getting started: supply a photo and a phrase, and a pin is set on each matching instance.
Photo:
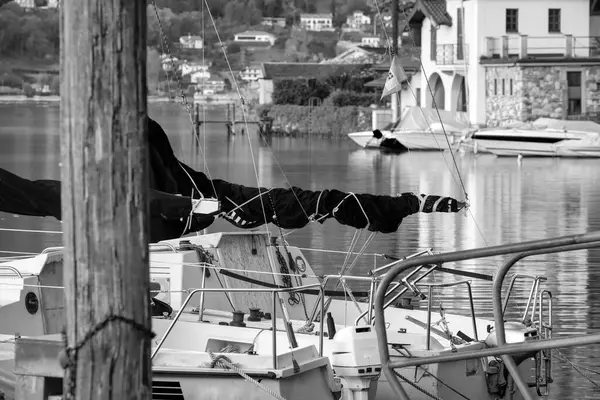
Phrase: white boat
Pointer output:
(425, 129)
(545, 137)
(222, 286)
(418, 129)
(377, 139)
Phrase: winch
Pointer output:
(356, 362)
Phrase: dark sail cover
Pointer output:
(288, 208)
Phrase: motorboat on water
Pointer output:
(378, 139)
(228, 295)
(419, 128)
(544, 137)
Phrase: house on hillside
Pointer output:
(371, 41)
(507, 61)
(273, 71)
(252, 73)
(191, 42)
(26, 3)
(273, 21)
(359, 55)
(169, 64)
(316, 22)
(199, 76)
(192, 67)
(255, 37)
(358, 21)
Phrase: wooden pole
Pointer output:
(104, 199)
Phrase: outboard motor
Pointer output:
(516, 332)
(496, 374)
(356, 362)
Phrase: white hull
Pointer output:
(366, 139)
(538, 142)
(424, 140)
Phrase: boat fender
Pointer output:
(330, 326)
(377, 134)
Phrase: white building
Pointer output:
(26, 3)
(191, 42)
(199, 76)
(255, 36)
(504, 48)
(371, 41)
(273, 21)
(192, 68)
(358, 20)
(316, 22)
(252, 73)
(169, 63)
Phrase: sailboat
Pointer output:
(243, 314)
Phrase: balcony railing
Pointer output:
(451, 54)
(524, 46)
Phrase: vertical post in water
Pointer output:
(104, 199)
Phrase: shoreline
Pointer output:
(8, 99)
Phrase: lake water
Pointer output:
(509, 202)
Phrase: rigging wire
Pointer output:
(184, 101)
(460, 181)
(245, 118)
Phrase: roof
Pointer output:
(190, 37)
(435, 10)
(308, 70)
(254, 33)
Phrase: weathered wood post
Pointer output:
(104, 199)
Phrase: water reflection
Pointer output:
(509, 202)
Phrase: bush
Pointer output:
(323, 120)
(12, 80)
(233, 48)
(28, 90)
(298, 91)
(346, 99)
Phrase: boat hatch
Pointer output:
(166, 390)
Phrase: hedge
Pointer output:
(349, 99)
(298, 91)
(323, 120)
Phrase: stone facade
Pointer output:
(504, 95)
(537, 91)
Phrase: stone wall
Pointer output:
(503, 105)
(591, 81)
(544, 91)
(538, 91)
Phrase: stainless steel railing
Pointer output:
(525, 249)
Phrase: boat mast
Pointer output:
(465, 52)
(394, 51)
(104, 200)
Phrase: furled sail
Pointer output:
(244, 207)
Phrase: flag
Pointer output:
(396, 76)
